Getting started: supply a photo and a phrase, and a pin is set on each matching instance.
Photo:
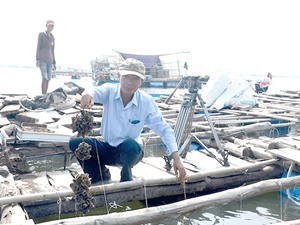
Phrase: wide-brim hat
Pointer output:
(132, 67)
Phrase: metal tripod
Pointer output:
(184, 121)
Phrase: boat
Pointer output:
(75, 74)
(160, 72)
(75, 77)
(261, 144)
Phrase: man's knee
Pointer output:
(74, 142)
(130, 152)
(130, 147)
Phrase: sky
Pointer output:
(235, 36)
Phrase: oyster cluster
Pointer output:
(83, 151)
(84, 200)
(83, 123)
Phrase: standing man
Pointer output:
(45, 58)
(126, 110)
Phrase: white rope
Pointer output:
(59, 202)
(114, 205)
(145, 191)
(184, 189)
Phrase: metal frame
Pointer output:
(184, 121)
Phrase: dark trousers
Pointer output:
(126, 155)
(259, 89)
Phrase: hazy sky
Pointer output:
(244, 36)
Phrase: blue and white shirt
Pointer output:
(120, 123)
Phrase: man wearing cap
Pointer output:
(45, 58)
(126, 110)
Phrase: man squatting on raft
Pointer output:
(126, 109)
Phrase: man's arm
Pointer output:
(38, 51)
(157, 123)
(53, 54)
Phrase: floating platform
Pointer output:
(262, 142)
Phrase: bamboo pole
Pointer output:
(158, 213)
(278, 99)
(275, 116)
(152, 138)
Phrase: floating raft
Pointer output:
(150, 181)
(262, 142)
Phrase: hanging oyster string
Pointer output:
(83, 124)
(83, 198)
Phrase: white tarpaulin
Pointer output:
(215, 86)
(238, 92)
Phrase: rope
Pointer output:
(273, 132)
(290, 197)
(184, 189)
(100, 170)
(145, 191)
(59, 202)
(114, 205)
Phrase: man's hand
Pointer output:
(87, 101)
(178, 167)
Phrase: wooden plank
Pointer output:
(14, 99)
(293, 142)
(253, 142)
(35, 183)
(66, 119)
(10, 109)
(160, 163)
(4, 121)
(286, 153)
(69, 111)
(25, 119)
(54, 115)
(233, 161)
(201, 161)
(42, 117)
(148, 168)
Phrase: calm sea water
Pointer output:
(28, 80)
(266, 209)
